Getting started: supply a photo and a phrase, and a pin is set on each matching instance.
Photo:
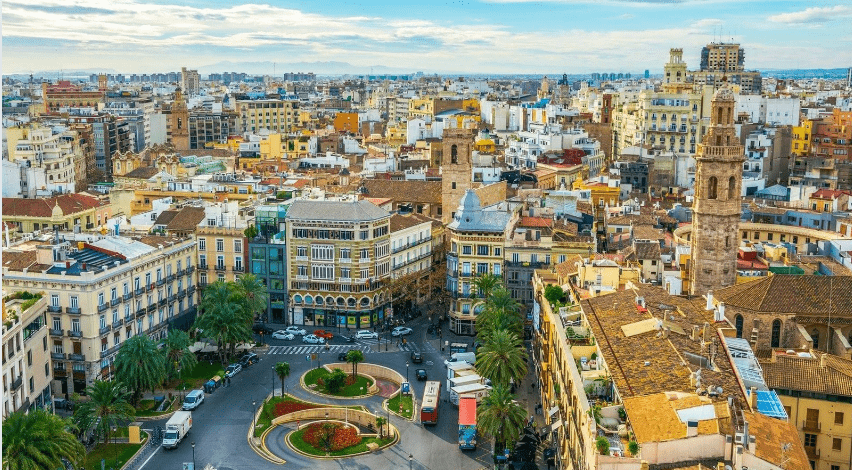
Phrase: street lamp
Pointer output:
(273, 383)
(406, 371)
(193, 455)
(410, 461)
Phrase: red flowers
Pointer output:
(331, 436)
(286, 407)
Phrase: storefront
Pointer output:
(327, 313)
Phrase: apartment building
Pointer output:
(268, 260)
(277, 116)
(411, 239)
(102, 290)
(338, 263)
(527, 248)
(477, 239)
(222, 253)
(50, 159)
(66, 212)
(26, 360)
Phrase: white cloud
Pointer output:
(813, 15)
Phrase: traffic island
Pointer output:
(332, 439)
(336, 383)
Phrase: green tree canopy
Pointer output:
(485, 284)
(178, 356)
(501, 358)
(252, 294)
(223, 318)
(553, 294)
(282, 370)
(355, 357)
(108, 405)
(140, 365)
(38, 440)
(500, 416)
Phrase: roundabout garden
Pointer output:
(338, 383)
(333, 439)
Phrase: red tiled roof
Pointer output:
(69, 203)
(535, 222)
(828, 194)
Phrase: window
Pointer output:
(465, 269)
(100, 298)
(302, 271)
(497, 269)
(54, 300)
(220, 244)
(365, 253)
(711, 187)
(776, 334)
(838, 417)
(302, 251)
(498, 251)
(482, 250)
(202, 244)
(467, 249)
(115, 315)
(345, 253)
(815, 338)
(322, 252)
(481, 268)
(57, 323)
(202, 261)
(810, 440)
(238, 246)
(220, 262)
(836, 444)
(738, 323)
(75, 325)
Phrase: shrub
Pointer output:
(337, 436)
(602, 444)
(335, 380)
(633, 448)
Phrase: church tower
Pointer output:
(456, 169)
(675, 73)
(718, 204)
(177, 123)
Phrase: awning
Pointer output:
(552, 411)
(555, 425)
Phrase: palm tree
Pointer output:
(282, 369)
(140, 366)
(500, 312)
(107, 406)
(500, 416)
(252, 294)
(485, 284)
(38, 440)
(501, 358)
(223, 319)
(176, 348)
(354, 357)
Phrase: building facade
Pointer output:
(26, 360)
(277, 116)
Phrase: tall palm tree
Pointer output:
(354, 357)
(500, 312)
(38, 440)
(178, 357)
(106, 407)
(501, 358)
(223, 318)
(140, 366)
(252, 294)
(500, 416)
(282, 370)
(485, 284)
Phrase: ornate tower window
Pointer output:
(712, 183)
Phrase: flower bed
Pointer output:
(301, 441)
(337, 436)
(290, 406)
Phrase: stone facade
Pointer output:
(456, 169)
(717, 205)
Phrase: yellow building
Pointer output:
(274, 115)
(27, 367)
(221, 254)
(816, 391)
(802, 135)
(64, 211)
(346, 122)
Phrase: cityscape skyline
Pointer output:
(451, 37)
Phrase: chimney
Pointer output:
(709, 300)
(691, 428)
(752, 398)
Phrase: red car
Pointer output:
(323, 334)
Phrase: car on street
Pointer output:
(416, 357)
(342, 356)
(282, 334)
(364, 334)
(312, 339)
(421, 374)
(261, 329)
(233, 370)
(249, 359)
(401, 331)
(295, 330)
(323, 334)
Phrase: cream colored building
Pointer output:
(100, 291)
(278, 116)
(26, 361)
(411, 250)
(55, 153)
(222, 254)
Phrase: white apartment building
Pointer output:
(26, 361)
(49, 159)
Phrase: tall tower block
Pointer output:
(456, 169)
(717, 207)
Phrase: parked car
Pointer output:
(421, 374)
(312, 339)
(249, 359)
(295, 330)
(233, 370)
(364, 334)
(282, 334)
(261, 329)
(401, 331)
(192, 400)
(323, 334)
(342, 356)
(416, 357)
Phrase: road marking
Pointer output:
(149, 458)
(310, 349)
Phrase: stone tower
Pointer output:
(177, 124)
(456, 169)
(675, 73)
(717, 206)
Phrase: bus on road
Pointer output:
(431, 399)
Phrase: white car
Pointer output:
(401, 331)
(363, 334)
(294, 330)
(281, 334)
(312, 339)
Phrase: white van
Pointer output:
(193, 399)
(468, 357)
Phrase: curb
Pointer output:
(261, 449)
(136, 455)
(333, 397)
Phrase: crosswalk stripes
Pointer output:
(427, 347)
(310, 349)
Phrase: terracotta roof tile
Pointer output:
(405, 191)
(403, 221)
(831, 375)
(18, 260)
(69, 203)
(142, 173)
(535, 222)
(186, 220)
(801, 295)
(771, 435)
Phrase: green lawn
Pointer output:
(268, 413)
(407, 408)
(296, 440)
(360, 387)
(195, 378)
(149, 407)
(115, 455)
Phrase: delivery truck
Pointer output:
(467, 423)
(176, 428)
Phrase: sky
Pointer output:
(433, 36)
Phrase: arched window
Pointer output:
(712, 183)
(776, 334)
(732, 188)
(815, 338)
(454, 154)
(738, 323)
(719, 115)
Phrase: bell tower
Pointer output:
(718, 204)
(177, 123)
(456, 169)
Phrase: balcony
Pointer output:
(127, 296)
(73, 310)
(160, 282)
(181, 293)
(128, 319)
(170, 278)
(57, 356)
(77, 357)
(54, 308)
(105, 329)
(172, 298)
(102, 307)
(181, 272)
(17, 383)
(812, 452)
(161, 302)
(151, 308)
(109, 351)
(117, 323)
(190, 290)
(75, 333)
(114, 302)
(140, 312)
(139, 291)
(221, 267)
(811, 425)
(190, 269)
(239, 269)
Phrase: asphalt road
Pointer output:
(221, 423)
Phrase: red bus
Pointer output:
(431, 399)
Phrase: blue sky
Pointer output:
(461, 36)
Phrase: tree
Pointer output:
(354, 357)
(501, 358)
(334, 382)
(223, 318)
(250, 232)
(282, 370)
(140, 366)
(633, 447)
(38, 440)
(500, 416)
(106, 407)
(177, 352)
(602, 444)
(380, 422)
(252, 294)
(485, 284)
(553, 294)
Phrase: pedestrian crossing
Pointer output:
(315, 348)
